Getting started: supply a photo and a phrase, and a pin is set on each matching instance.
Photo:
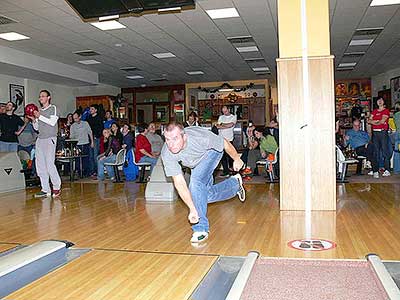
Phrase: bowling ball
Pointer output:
(30, 108)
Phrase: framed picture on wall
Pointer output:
(395, 89)
(17, 96)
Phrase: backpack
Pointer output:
(131, 170)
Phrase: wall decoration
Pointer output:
(341, 89)
(366, 89)
(354, 89)
(395, 89)
(178, 95)
(17, 96)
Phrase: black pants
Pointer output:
(381, 143)
(370, 154)
(85, 160)
(227, 162)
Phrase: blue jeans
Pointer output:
(396, 153)
(204, 190)
(152, 161)
(100, 166)
(93, 154)
(382, 144)
(8, 147)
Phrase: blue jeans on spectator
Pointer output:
(381, 142)
(93, 154)
(204, 190)
(85, 149)
(396, 153)
(151, 160)
(8, 147)
(100, 167)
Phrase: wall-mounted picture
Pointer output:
(354, 89)
(17, 96)
(178, 95)
(162, 114)
(395, 89)
(366, 89)
(341, 89)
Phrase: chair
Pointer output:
(119, 161)
(342, 163)
(269, 165)
(142, 168)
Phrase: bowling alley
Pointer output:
(199, 149)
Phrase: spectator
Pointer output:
(127, 142)
(96, 124)
(360, 142)
(27, 137)
(273, 130)
(226, 123)
(155, 140)
(143, 151)
(396, 155)
(80, 130)
(116, 131)
(9, 128)
(2, 108)
(252, 150)
(109, 119)
(192, 120)
(108, 156)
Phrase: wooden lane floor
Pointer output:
(121, 275)
(5, 247)
(115, 216)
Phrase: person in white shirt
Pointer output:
(226, 123)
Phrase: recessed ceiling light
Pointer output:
(260, 69)
(345, 65)
(195, 72)
(108, 25)
(13, 36)
(108, 18)
(178, 8)
(361, 42)
(118, 45)
(384, 2)
(134, 77)
(86, 53)
(89, 62)
(247, 49)
(225, 90)
(251, 59)
(164, 55)
(354, 54)
(223, 13)
(345, 69)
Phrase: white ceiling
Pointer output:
(198, 42)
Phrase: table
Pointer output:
(71, 161)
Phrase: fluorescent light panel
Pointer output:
(134, 77)
(247, 49)
(108, 25)
(170, 9)
(384, 2)
(89, 62)
(195, 72)
(223, 13)
(261, 69)
(361, 42)
(13, 36)
(107, 18)
(344, 65)
(164, 55)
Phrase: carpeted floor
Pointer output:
(294, 279)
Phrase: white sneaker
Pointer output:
(242, 192)
(371, 173)
(386, 173)
(376, 175)
(368, 164)
(199, 236)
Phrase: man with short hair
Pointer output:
(155, 140)
(127, 137)
(359, 140)
(109, 119)
(81, 131)
(10, 127)
(200, 150)
(96, 124)
(226, 123)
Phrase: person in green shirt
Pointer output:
(268, 144)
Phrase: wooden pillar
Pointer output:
(306, 106)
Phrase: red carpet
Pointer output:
(297, 279)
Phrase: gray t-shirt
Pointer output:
(80, 131)
(155, 141)
(199, 141)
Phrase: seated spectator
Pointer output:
(192, 120)
(109, 120)
(81, 131)
(251, 149)
(155, 140)
(127, 140)
(108, 156)
(116, 131)
(273, 130)
(359, 140)
(143, 151)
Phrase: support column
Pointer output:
(306, 106)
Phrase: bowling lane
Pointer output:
(121, 275)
